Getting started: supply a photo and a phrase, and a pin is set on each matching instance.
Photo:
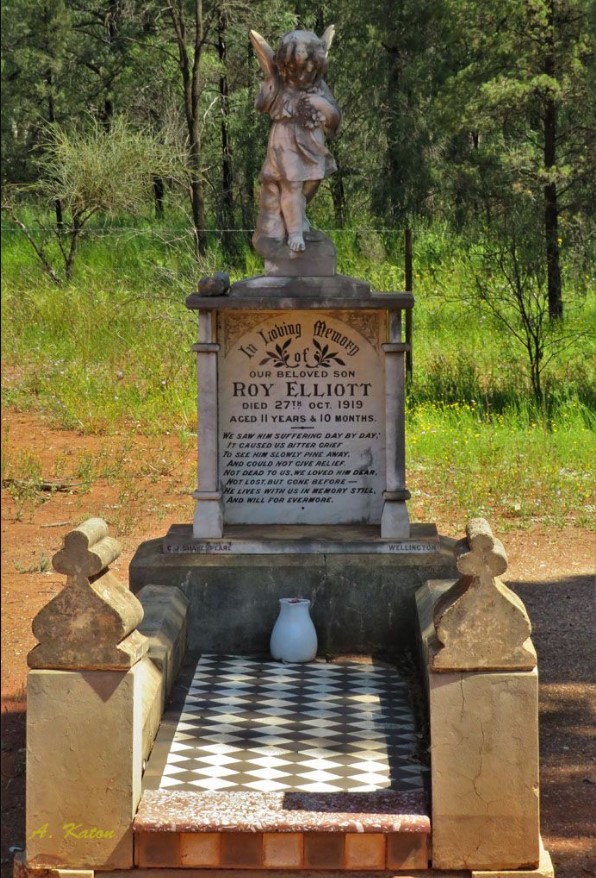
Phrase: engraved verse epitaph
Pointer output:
(301, 417)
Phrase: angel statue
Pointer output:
(304, 113)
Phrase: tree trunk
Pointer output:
(191, 80)
(394, 190)
(198, 213)
(75, 232)
(551, 221)
(551, 211)
(196, 184)
(159, 191)
(59, 216)
(227, 194)
(107, 113)
(536, 376)
(249, 167)
(51, 119)
(338, 196)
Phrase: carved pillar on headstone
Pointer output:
(395, 521)
(483, 703)
(208, 518)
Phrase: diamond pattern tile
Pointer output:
(256, 725)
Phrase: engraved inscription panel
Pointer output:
(301, 417)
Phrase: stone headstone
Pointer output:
(301, 417)
(301, 406)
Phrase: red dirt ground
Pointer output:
(551, 569)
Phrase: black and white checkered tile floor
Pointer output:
(268, 726)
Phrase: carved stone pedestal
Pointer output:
(482, 682)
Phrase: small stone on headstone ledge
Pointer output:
(481, 623)
(218, 285)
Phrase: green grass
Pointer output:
(112, 350)
(522, 472)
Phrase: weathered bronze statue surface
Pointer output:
(304, 114)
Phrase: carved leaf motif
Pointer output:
(278, 357)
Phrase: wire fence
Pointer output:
(160, 229)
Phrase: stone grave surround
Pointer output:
(100, 679)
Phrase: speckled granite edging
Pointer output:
(386, 812)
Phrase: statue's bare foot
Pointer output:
(296, 241)
(306, 225)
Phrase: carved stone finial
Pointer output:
(91, 624)
(481, 623)
(87, 550)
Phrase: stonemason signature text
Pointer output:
(74, 830)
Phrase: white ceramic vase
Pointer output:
(293, 638)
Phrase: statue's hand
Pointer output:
(318, 102)
(326, 111)
(307, 113)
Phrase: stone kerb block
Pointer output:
(484, 770)
(84, 766)
(482, 685)
(92, 623)
(165, 626)
(479, 622)
(21, 870)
